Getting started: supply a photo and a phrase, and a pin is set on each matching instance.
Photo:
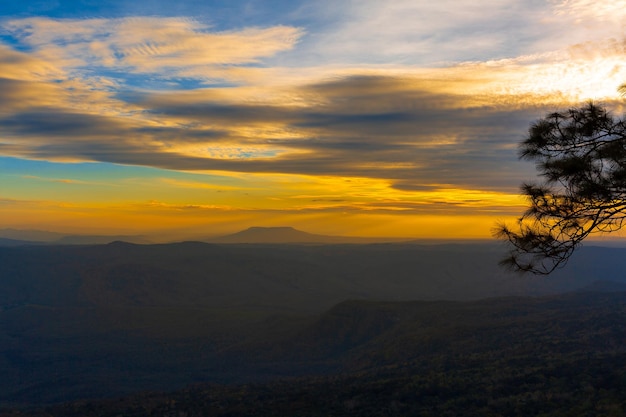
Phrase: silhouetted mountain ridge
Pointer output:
(277, 277)
(605, 285)
(100, 239)
(281, 235)
(13, 237)
(16, 242)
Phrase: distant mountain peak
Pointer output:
(121, 243)
(291, 235)
(277, 234)
(272, 228)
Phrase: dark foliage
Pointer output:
(581, 154)
(552, 356)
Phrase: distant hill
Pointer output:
(604, 286)
(100, 239)
(30, 235)
(291, 235)
(15, 242)
(16, 237)
(276, 277)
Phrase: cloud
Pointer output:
(22, 66)
(587, 11)
(185, 207)
(430, 33)
(176, 46)
(414, 127)
(65, 180)
(361, 126)
(381, 126)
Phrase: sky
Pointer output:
(358, 117)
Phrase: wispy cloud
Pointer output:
(589, 12)
(70, 181)
(165, 47)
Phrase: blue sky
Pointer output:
(356, 117)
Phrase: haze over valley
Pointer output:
(89, 321)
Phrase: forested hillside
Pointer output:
(110, 320)
(558, 356)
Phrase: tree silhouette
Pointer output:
(581, 154)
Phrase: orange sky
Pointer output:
(396, 120)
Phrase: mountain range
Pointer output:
(252, 235)
(282, 235)
(94, 321)
(16, 237)
(514, 356)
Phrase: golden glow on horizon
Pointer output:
(163, 222)
(328, 205)
(231, 139)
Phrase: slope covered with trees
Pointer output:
(558, 356)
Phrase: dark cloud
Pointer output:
(382, 127)
(11, 90)
(186, 134)
(52, 123)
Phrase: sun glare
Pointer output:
(585, 81)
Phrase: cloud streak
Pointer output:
(362, 126)
(399, 128)
(165, 47)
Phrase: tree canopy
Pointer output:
(581, 156)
